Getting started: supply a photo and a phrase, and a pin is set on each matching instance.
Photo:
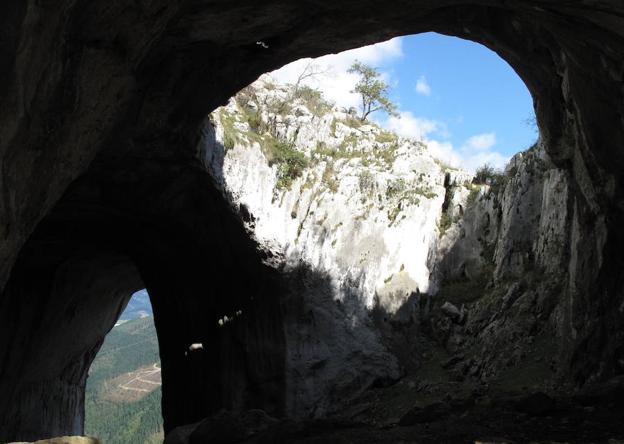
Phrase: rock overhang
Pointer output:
(112, 95)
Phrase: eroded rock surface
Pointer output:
(353, 211)
(113, 98)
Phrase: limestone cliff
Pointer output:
(354, 211)
(372, 232)
(323, 187)
(361, 221)
(506, 260)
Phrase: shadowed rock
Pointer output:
(103, 190)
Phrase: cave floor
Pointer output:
(430, 404)
(528, 418)
(438, 402)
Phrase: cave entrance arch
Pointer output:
(124, 117)
(363, 216)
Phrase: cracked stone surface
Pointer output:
(102, 189)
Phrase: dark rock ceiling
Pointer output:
(103, 107)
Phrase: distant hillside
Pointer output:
(123, 388)
(138, 307)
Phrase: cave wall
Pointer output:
(51, 335)
(101, 95)
(112, 233)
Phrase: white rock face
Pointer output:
(368, 213)
(524, 223)
(517, 239)
(362, 219)
(361, 215)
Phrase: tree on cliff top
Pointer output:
(372, 89)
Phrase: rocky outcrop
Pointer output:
(504, 244)
(513, 244)
(353, 211)
(104, 93)
(344, 196)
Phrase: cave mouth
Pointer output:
(123, 390)
(458, 103)
(382, 239)
(165, 210)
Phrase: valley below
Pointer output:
(123, 388)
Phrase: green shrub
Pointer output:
(484, 174)
(445, 223)
(499, 183)
(487, 175)
(290, 161)
(393, 213)
(332, 127)
(396, 188)
(254, 120)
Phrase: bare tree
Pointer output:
(311, 70)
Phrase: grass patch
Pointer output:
(230, 133)
(353, 122)
(473, 195)
(313, 100)
(329, 177)
(387, 154)
(385, 137)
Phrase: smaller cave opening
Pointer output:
(123, 390)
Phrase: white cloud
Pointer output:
(473, 153)
(419, 128)
(422, 87)
(473, 161)
(445, 152)
(477, 151)
(335, 82)
(407, 125)
(481, 142)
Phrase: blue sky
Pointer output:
(458, 96)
